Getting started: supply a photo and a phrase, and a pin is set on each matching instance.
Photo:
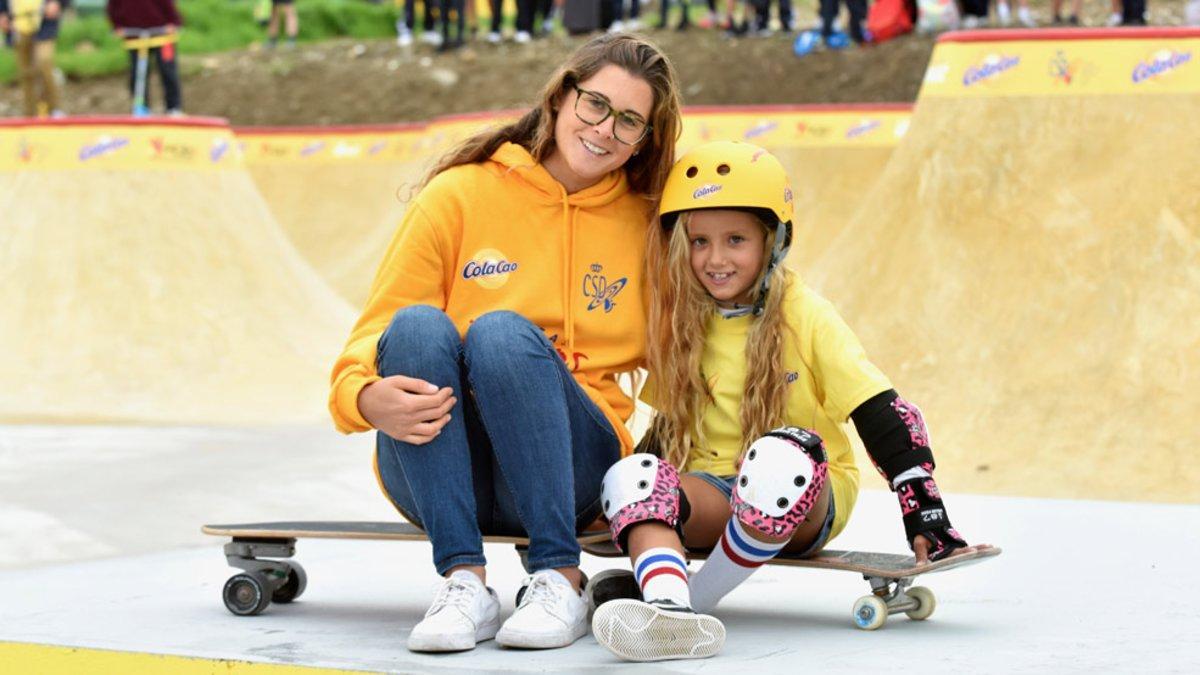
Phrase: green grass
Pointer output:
(87, 47)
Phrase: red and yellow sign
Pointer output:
(1064, 63)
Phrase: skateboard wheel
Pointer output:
(870, 612)
(926, 603)
(246, 594)
(293, 587)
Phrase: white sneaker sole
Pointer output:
(518, 639)
(452, 642)
(636, 631)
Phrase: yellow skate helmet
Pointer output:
(733, 175)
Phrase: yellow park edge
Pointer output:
(24, 657)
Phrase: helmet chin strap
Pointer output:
(779, 251)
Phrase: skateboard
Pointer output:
(889, 574)
(262, 550)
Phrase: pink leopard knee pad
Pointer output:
(781, 478)
(639, 488)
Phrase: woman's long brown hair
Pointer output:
(647, 170)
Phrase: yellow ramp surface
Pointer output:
(146, 281)
(1027, 268)
(340, 192)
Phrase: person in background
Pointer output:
(974, 13)
(1056, 12)
(287, 10)
(34, 27)
(1133, 12)
(129, 16)
(406, 24)
(1024, 15)
(619, 23)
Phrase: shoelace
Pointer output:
(453, 593)
(545, 592)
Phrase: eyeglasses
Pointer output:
(592, 108)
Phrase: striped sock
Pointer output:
(732, 561)
(662, 575)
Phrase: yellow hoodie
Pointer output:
(504, 234)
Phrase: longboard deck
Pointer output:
(379, 531)
(884, 565)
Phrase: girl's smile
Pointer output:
(727, 249)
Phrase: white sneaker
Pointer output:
(633, 25)
(971, 22)
(641, 631)
(551, 614)
(404, 39)
(1003, 13)
(494, 37)
(463, 612)
(432, 37)
(522, 37)
(1026, 17)
(617, 26)
(1114, 19)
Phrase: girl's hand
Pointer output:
(921, 548)
(407, 409)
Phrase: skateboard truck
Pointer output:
(262, 581)
(892, 596)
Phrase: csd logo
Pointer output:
(489, 268)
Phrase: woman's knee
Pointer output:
(498, 334)
(417, 329)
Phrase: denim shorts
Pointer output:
(725, 485)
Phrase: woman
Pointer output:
(487, 354)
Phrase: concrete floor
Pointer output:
(102, 550)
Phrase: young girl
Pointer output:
(753, 375)
(486, 355)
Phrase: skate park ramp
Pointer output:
(151, 284)
(1027, 267)
(340, 192)
(833, 155)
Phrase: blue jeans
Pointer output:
(525, 450)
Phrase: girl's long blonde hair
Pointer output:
(647, 170)
(680, 309)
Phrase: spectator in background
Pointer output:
(1116, 17)
(1024, 16)
(286, 9)
(1056, 10)
(34, 27)
(975, 13)
(762, 10)
(527, 11)
(494, 36)
(405, 25)
(858, 16)
(1133, 12)
(129, 17)
(635, 11)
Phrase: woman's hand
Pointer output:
(407, 409)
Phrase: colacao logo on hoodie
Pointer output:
(489, 268)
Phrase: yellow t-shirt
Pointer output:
(828, 375)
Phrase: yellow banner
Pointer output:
(1078, 67)
(863, 126)
(318, 147)
(117, 146)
